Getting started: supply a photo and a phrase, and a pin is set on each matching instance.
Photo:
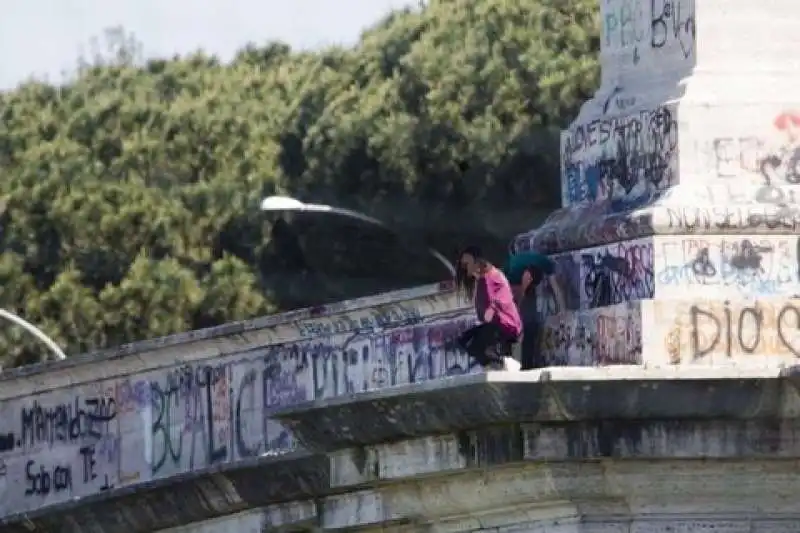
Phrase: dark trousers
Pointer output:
(481, 342)
(531, 349)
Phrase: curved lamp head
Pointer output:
(287, 203)
(281, 203)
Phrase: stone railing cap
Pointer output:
(547, 395)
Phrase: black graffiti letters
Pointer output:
(748, 256)
(597, 132)
(66, 422)
(381, 318)
(636, 152)
(7, 442)
(247, 393)
(89, 456)
(42, 481)
(742, 331)
(691, 219)
(784, 217)
(702, 265)
(215, 451)
(190, 392)
(89, 463)
(626, 274)
(672, 21)
(724, 330)
(163, 440)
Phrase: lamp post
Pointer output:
(36, 332)
(286, 203)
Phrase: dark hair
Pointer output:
(537, 276)
(465, 284)
(472, 250)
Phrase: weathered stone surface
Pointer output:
(700, 208)
(689, 331)
(181, 499)
(87, 429)
(557, 394)
(680, 184)
(678, 251)
(658, 495)
(502, 445)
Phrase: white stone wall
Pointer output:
(697, 125)
(691, 92)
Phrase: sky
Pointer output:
(44, 38)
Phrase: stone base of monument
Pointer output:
(562, 450)
(567, 450)
(762, 332)
(687, 209)
(677, 242)
(704, 273)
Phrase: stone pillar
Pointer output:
(677, 240)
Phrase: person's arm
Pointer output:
(491, 296)
(557, 292)
(496, 285)
(555, 283)
(482, 297)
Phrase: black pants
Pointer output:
(531, 349)
(480, 342)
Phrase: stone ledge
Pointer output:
(709, 207)
(548, 395)
(234, 330)
(408, 307)
(291, 517)
(565, 442)
(182, 499)
(451, 496)
(621, 491)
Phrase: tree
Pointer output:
(129, 200)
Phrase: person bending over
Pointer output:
(525, 272)
(500, 325)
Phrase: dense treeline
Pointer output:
(129, 199)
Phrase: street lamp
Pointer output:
(286, 203)
(33, 330)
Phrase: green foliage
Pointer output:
(129, 204)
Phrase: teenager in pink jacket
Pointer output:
(500, 325)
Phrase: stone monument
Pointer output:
(677, 240)
(678, 243)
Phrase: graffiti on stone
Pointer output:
(602, 276)
(72, 442)
(755, 218)
(772, 157)
(642, 31)
(630, 156)
(749, 266)
(609, 335)
(741, 331)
